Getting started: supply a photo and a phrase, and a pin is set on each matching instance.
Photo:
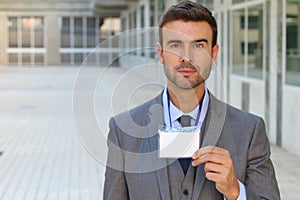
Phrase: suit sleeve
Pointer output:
(260, 180)
(115, 186)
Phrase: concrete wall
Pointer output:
(47, 6)
(290, 119)
(235, 92)
(257, 98)
(3, 40)
(53, 40)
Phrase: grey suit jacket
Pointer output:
(134, 170)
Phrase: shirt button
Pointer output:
(185, 192)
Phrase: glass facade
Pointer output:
(13, 31)
(293, 42)
(255, 42)
(207, 3)
(81, 34)
(238, 42)
(26, 40)
(161, 9)
(247, 42)
(152, 13)
(238, 1)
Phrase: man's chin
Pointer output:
(187, 86)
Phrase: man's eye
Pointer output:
(198, 45)
(175, 45)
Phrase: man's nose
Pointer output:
(187, 55)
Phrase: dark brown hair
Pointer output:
(189, 11)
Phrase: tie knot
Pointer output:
(185, 120)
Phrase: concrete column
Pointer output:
(3, 40)
(298, 26)
(273, 73)
(53, 40)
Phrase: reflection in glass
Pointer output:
(78, 58)
(26, 58)
(39, 58)
(293, 42)
(237, 1)
(207, 3)
(39, 32)
(238, 41)
(26, 31)
(13, 31)
(26, 34)
(160, 8)
(65, 32)
(78, 32)
(142, 14)
(66, 58)
(91, 32)
(255, 42)
(152, 13)
(13, 58)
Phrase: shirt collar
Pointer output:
(176, 113)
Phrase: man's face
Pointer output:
(187, 53)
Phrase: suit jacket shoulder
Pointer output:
(140, 113)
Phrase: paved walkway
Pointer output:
(44, 156)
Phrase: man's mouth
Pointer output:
(187, 71)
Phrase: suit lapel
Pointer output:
(213, 127)
(214, 123)
(159, 165)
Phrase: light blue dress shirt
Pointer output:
(175, 113)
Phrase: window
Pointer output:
(78, 32)
(13, 31)
(152, 13)
(124, 24)
(26, 31)
(251, 48)
(80, 35)
(293, 42)
(247, 42)
(65, 32)
(238, 38)
(253, 22)
(39, 32)
(160, 8)
(255, 42)
(237, 1)
(207, 3)
(26, 40)
(142, 14)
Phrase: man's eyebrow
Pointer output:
(193, 41)
(174, 41)
(200, 40)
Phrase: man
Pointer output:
(233, 161)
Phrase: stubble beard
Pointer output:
(182, 82)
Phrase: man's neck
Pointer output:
(186, 99)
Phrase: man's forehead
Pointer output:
(187, 31)
(180, 37)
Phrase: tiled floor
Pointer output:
(45, 151)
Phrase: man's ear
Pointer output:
(160, 53)
(215, 51)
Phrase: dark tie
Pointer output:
(185, 120)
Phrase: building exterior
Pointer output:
(258, 63)
(259, 60)
(54, 32)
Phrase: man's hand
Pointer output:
(218, 168)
